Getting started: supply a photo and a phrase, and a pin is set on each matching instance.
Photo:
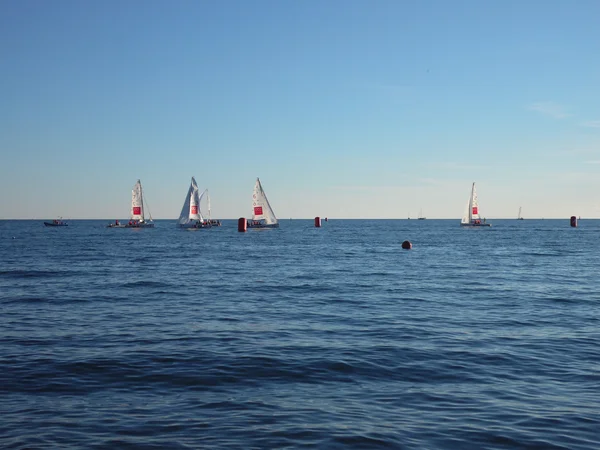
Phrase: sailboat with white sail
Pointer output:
(262, 213)
(519, 217)
(472, 217)
(191, 215)
(138, 206)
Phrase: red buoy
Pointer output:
(574, 221)
(242, 225)
(406, 245)
(317, 222)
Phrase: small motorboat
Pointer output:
(56, 223)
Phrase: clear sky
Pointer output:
(343, 108)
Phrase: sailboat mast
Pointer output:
(142, 202)
(208, 201)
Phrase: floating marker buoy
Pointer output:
(325, 219)
(574, 221)
(317, 222)
(242, 225)
(406, 245)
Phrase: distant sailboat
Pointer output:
(138, 217)
(519, 217)
(472, 217)
(191, 216)
(421, 216)
(262, 213)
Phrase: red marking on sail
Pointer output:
(258, 211)
(194, 209)
(137, 210)
(474, 209)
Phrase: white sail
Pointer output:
(261, 209)
(465, 218)
(474, 206)
(208, 203)
(137, 202)
(200, 197)
(190, 212)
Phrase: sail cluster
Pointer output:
(191, 213)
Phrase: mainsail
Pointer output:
(474, 206)
(137, 202)
(191, 206)
(261, 209)
(472, 212)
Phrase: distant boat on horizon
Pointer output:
(421, 216)
(471, 217)
(56, 223)
(138, 217)
(519, 217)
(191, 216)
(262, 213)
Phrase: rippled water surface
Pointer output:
(300, 337)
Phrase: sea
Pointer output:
(300, 337)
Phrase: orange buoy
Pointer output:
(574, 221)
(242, 225)
(406, 245)
(317, 222)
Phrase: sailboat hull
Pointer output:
(140, 225)
(131, 225)
(60, 224)
(254, 224)
(475, 225)
(137, 225)
(195, 226)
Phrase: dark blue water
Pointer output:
(328, 338)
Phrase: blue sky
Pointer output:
(343, 108)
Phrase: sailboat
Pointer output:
(191, 216)
(421, 216)
(262, 213)
(519, 217)
(137, 218)
(471, 217)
